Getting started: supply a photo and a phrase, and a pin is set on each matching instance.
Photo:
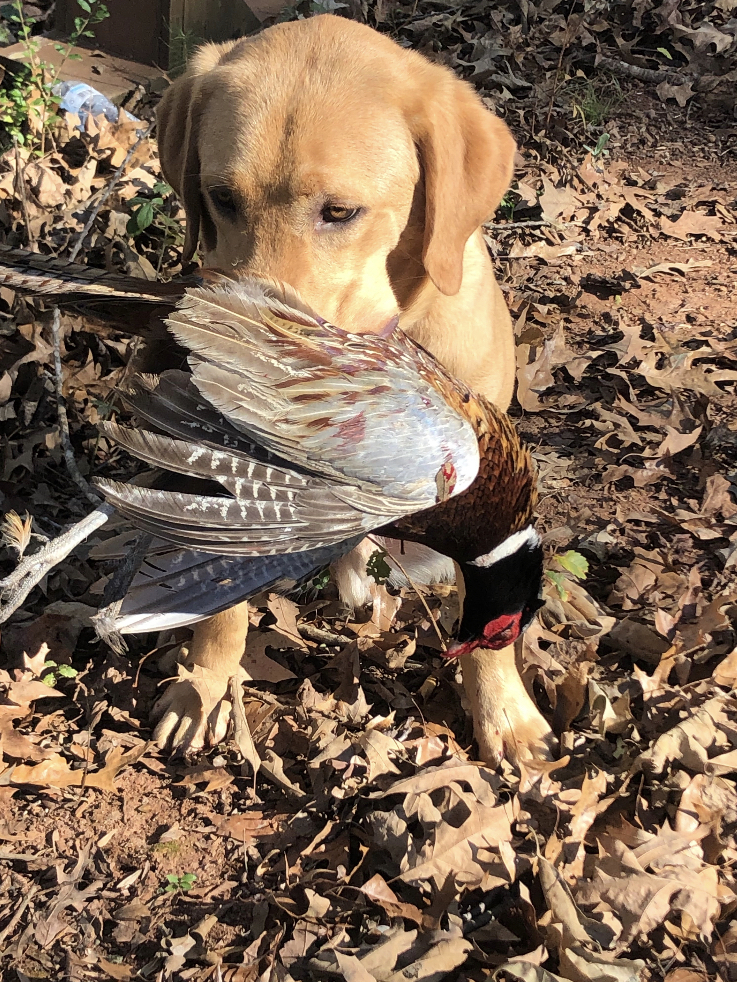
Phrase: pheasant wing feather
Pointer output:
(354, 409)
(177, 587)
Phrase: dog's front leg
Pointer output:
(506, 722)
(194, 711)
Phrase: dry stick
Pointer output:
(17, 585)
(242, 733)
(503, 226)
(13, 922)
(320, 635)
(563, 49)
(61, 408)
(411, 582)
(623, 68)
(21, 189)
(106, 193)
(115, 591)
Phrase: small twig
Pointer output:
(652, 75)
(563, 49)
(254, 693)
(313, 633)
(106, 193)
(17, 585)
(21, 190)
(411, 582)
(61, 408)
(241, 731)
(502, 226)
(115, 591)
(13, 922)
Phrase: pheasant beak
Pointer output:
(499, 633)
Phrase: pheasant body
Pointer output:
(289, 439)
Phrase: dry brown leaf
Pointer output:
(377, 890)
(377, 747)
(441, 959)
(581, 965)
(381, 959)
(583, 814)
(261, 667)
(455, 852)
(115, 970)
(351, 968)
(681, 93)
(687, 742)
(644, 900)
(692, 223)
(674, 267)
(56, 773)
(561, 904)
(528, 972)
(726, 671)
(707, 801)
(558, 203)
(286, 612)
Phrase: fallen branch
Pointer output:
(313, 633)
(116, 589)
(30, 571)
(652, 75)
(61, 408)
(20, 188)
(107, 192)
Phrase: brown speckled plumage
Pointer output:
(500, 501)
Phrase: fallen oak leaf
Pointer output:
(286, 613)
(643, 901)
(692, 223)
(15, 744)
(56, 772)
(687, 742)
(583, 965)
(27, 690)
(456, 851)
(435, 964)
(681, 93)
(673, 267)
(564, 911)
(378, 891)
(527, 972)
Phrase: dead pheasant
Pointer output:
(307, 438)
(291, 440)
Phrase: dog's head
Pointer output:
(323, 154)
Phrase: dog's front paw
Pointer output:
(193, 712)
(517, 732)
(506, 722)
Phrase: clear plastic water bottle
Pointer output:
(82, 99)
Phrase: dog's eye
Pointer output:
(338, 214)
(223, 199)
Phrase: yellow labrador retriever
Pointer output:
(324, 155)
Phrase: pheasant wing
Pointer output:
(176, 587)
(354, 409)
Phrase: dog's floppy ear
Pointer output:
(177, 120)
(467, 157)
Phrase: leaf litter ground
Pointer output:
(372, 846)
